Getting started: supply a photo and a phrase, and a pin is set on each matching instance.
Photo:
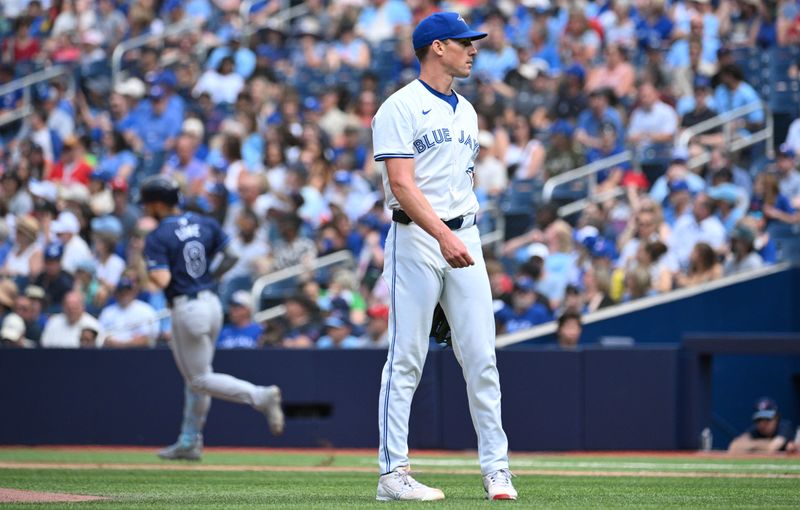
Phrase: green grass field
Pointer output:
(243, 479)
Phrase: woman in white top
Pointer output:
(109, 265)
(26, 258)
(522, 151)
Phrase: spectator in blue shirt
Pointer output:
(155, 131)
(591, 121)
(495, 58)
(525, 311)
(733, 92)
(338, 334)
(241, 332)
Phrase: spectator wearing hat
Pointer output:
(526, 309)
(86, 281)
(702, 226)
(570, 101)
(562, 155)
(12, 333)
(154, 130)
(28, 305)
(72, 167)
(54, 280)
(592, 120)
(69, 329)
(786, 166)
(677, 170)
(743, 255)
(66, 228)
(298, 328)
(25, 260)
(127, 213)
(128, 322)
(770, 432)
(376, 334)
(240, 332)
(338, 334)
(100, 200)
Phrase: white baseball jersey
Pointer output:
(414, 123)
(419, 123)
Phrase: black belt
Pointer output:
(188, 296)
(400, 216)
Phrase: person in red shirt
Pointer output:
(73, 165)
(21, 48)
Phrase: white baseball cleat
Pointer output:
(270, 404)
(400, 486)
(498, 485)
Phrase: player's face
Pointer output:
(458, 57)
(767, 427)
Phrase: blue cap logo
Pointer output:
(442, 26)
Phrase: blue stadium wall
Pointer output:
(594, 398)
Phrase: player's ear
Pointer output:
(437, 47)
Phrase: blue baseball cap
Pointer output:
(561, 127)
(679, 185)
(786, 151)
(525, 284)
(53, 251)
(702, 82)
(442, 26)
(766, 409)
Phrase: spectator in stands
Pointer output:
(223, 84)
(496, 57)
(652, 129)
(637, 284)
(349, 51)
(15, 196)
(109, 265)
(381, 20)
(491, 177)
(569, 329)
(592, 120)
(155, 129)
(618, 25)
(733, 92)
(67, 228)
(792, 136)
(768, 200)
(338, 334)
(570, 102)
(617, 74)
(562, 155)
(742, 256)
(12, 333)
(580, 40)
(525, 311)
(25, 260)
(73, 167)
(241, 332)
(770, 433)
(729, 203)
(54, 280)
(704, 267)
(29, 307)
(786, 165)
(700, 226)
(111, 23)
(596, 287)
(186, 167)
(299, 328)
(128, 322)
(376, 333)
(699, 108)
(8, 293)
(292, 249)
(86, 281)
(523, 154)
(68, 329)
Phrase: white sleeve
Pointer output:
(392, 132)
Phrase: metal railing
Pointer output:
(26, 83)
(339, 257)
(589, 171)
(732, 143)
(277, 20)
(181, 27)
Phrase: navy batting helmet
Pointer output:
(159, 188)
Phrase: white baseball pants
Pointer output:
(418, 277)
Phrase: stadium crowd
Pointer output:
(266, 124)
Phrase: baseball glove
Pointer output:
(440, 329)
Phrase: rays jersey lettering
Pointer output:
(185, 245)
(415, 124)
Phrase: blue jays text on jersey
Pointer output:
(440, 136)
(185, 245)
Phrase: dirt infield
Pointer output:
(19, 496)
(342, 469)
